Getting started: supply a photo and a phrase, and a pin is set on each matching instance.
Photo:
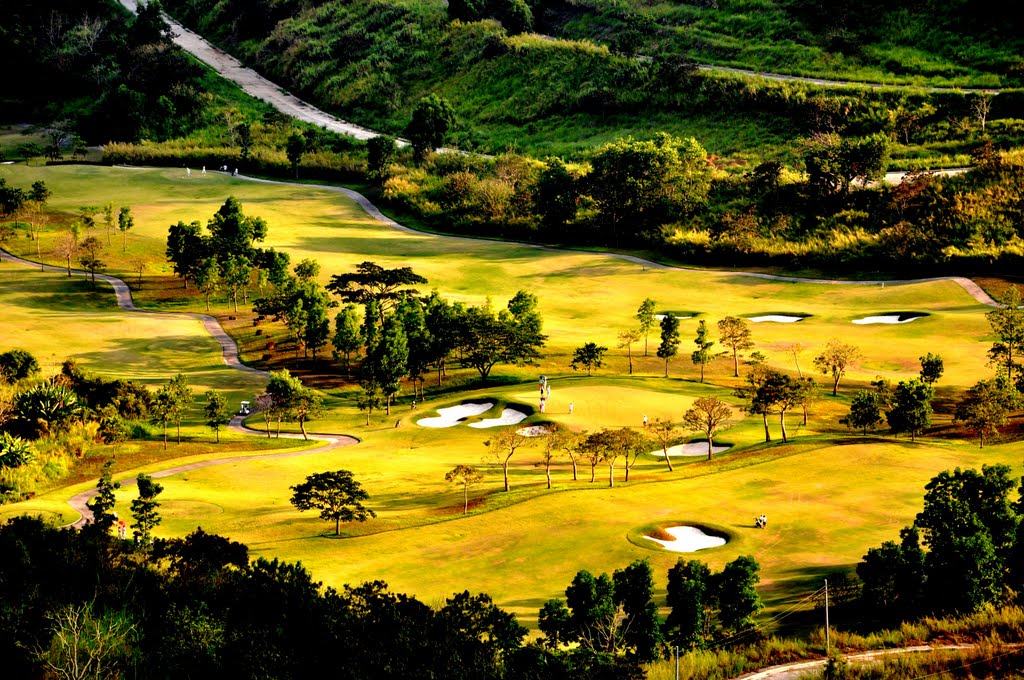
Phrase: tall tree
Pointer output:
(380, 154)
(337, 495)
(90, 258)
(161, 412)
(318, 329)
(236, 273)
(187, 250)
(558, 194)
(102, 504)
(216, 410)
(835, 359)
(207, 279)
(1007, 322)
(912, 408)
(691, 597)
(145, 514)
(125, 222)
(589, 356)
(634, 593)
(182, 397)
(233, 233)
(295, 149)
(348, 337)
(645, 315)
(466, 476)
(503, 445)
(702, 356)
(389, 359)
(738, 600)
(369, 398)
(708, 415)
(931, 368)
(669, 346)
(735, 334)
(664, 432)
(626, 339)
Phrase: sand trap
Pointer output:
(888, 318)
(453, 415)
(688, 539)
(691, 449)
(509, 416)
(533, 431)
(775, 318)
(659, 317)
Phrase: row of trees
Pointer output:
(617, 615)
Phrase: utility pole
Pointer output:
(677, 662)
(827, 646)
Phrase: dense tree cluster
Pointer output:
(962, 552)
(119, 76)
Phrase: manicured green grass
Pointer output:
(828, 496)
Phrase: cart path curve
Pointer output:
(792, 671)
(80, 502)
(229, 354)
(972, 289)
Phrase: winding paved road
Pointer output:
(229, 354)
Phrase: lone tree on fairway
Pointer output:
(1008, 325)
(645, 315)
(931, 368)
(626, 339)
(504, 445)
(864, 412)
(161, 412)
(336, 495)
(216, 412)
(735, 333)
(669, 346)
(702, 355)
(835, 359)
(664, 432)
(182, 397)
(986, 406)
(144, 510)
(708, 415)
(467, 476)
(589, 356)
(125, 222)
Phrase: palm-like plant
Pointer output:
(46, 407)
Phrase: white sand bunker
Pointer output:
(687, 539)
(775, 318)
(888, 318)
(691, 449)
(453, 415)
(533, 431)
(659, 317)
(509, 416)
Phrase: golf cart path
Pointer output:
(228, 347)
(80, 502)
(229, 354)
(972, 289)
(259, 87)
(792, 671)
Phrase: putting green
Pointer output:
(828, 497)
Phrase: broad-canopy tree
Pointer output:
(911, 408)
(370, 281)
(337, 495)
(432, 119)
(388, 359)
(835, 359)
(734, 333)
(17, 364)
(216, 411)
(986, 407)
(931, 368)
(466, 476)
(512, 336)
(589, 356)
(709, 416)
(865, 411)
(503, 445)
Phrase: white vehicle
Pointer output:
(244, 411)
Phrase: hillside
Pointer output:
(622, 70)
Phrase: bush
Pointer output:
(114, 429)
(17, 364)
